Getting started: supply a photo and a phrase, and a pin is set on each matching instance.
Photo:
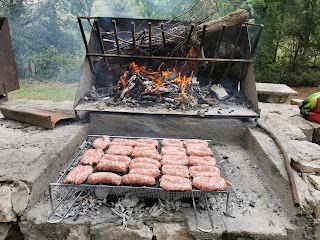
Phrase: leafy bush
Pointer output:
(52, 64)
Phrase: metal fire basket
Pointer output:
(107, 55)
(142, 192)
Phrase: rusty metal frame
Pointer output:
(8, 68)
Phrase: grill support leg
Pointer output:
(209, 216)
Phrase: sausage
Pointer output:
(210, 183)
(194, 170)
(112, 166)
(199, 151)
(145, 145)
(175, 160)
(91, 156)
(142, 165)
(175, 170)
(172, 142)
(148, 172)
(175, 183)
(202, 161)
(189, 142)
(147, 160)
(118, 158)
(78, 174)
(138, 179)
(120, 150)
(147, 141)
(102, 142)
(104, 177)
(169, 150)
(150, 153)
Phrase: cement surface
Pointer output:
(261, 206)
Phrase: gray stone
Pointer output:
(114, 232)
(4, 229)
(20, 196)
(315, 180)
(80, 233)
(171, 231)
(6, 212)
(305, 156)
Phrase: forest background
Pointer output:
(48, 44)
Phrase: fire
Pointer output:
(157, 80)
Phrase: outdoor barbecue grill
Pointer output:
(146, 78)
(64, 196)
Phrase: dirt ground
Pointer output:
(304, 92)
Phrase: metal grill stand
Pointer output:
(142, 192)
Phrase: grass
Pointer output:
(55, 91)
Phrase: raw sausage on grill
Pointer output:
(147, 160)
(202, 161)
(190, 142)
(172, 183)
(194, 170)
(120, 150)
(123, 143)
(142, 165)
(199, 151)
(150, 153)
(147, 141)
(175, 159)
(148, 172)
(138, 179)
(175, 170)
(117, 158)
(102, 142)
(91, 156)
(112, 166)
(78, 174)
(210, 183)
(172, 142)
(169, 150)
(104, 177)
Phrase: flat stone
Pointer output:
(315, 180)
(114, 232)
(4, 230)
(305, 156)
(34, 155)
(20, 196)
(274, 93)
(6, 212)
(170, 231)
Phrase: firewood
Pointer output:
(237, 17)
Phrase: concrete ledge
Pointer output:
(274, 93)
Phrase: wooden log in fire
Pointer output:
(237, 17)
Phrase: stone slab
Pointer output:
(33, 155)
(272, 88)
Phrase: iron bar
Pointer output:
(234, 49)
(133, 31)
(172, 58)
(188, 39)
(164, 40)
(255, 43)
(150, 38)
(96, 23)
(200, 49)
(217, 50)
(83, 34)
(114, 23)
